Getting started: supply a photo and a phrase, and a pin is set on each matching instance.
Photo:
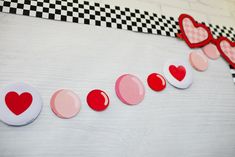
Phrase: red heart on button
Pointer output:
(177, 72)
(18, 103)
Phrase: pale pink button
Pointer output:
(198, 60)
(65, 103)
(129, 89)
(211, 51)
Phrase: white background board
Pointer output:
(49, 55)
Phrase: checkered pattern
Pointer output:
(195, 35)
(84, 12)
(218, 31)
(228, 50)
(232, 70)
(91, 13)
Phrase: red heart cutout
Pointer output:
(195, 34)
(18, 103)
(177, 72)
(226, 49)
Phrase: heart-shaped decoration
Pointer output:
(177, 72)
(227, 50)
(195, 34)
(18, 103)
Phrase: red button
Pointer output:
(98, 100)
(156, 82)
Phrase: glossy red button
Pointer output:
(156, 82)
(98, 100)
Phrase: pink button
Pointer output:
(129, 89)
(211, 51)
(198, 60)
(65, 103)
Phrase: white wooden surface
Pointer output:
(197, 122)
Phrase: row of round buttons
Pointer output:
(20, 104)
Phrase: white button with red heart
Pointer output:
(178, 73)
(20, 104)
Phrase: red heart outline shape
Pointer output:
(232, 44)
(16, 103)
(196, 25)
(178, 73)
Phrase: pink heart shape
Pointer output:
(227, 50)
(194, 34)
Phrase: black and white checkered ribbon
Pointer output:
(91, 13)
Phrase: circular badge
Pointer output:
(178, 73)
(198, 60)
(98, 100)
(20, 104)
(211, 51)
(65, 103)
(156, 82)
(129, 89)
